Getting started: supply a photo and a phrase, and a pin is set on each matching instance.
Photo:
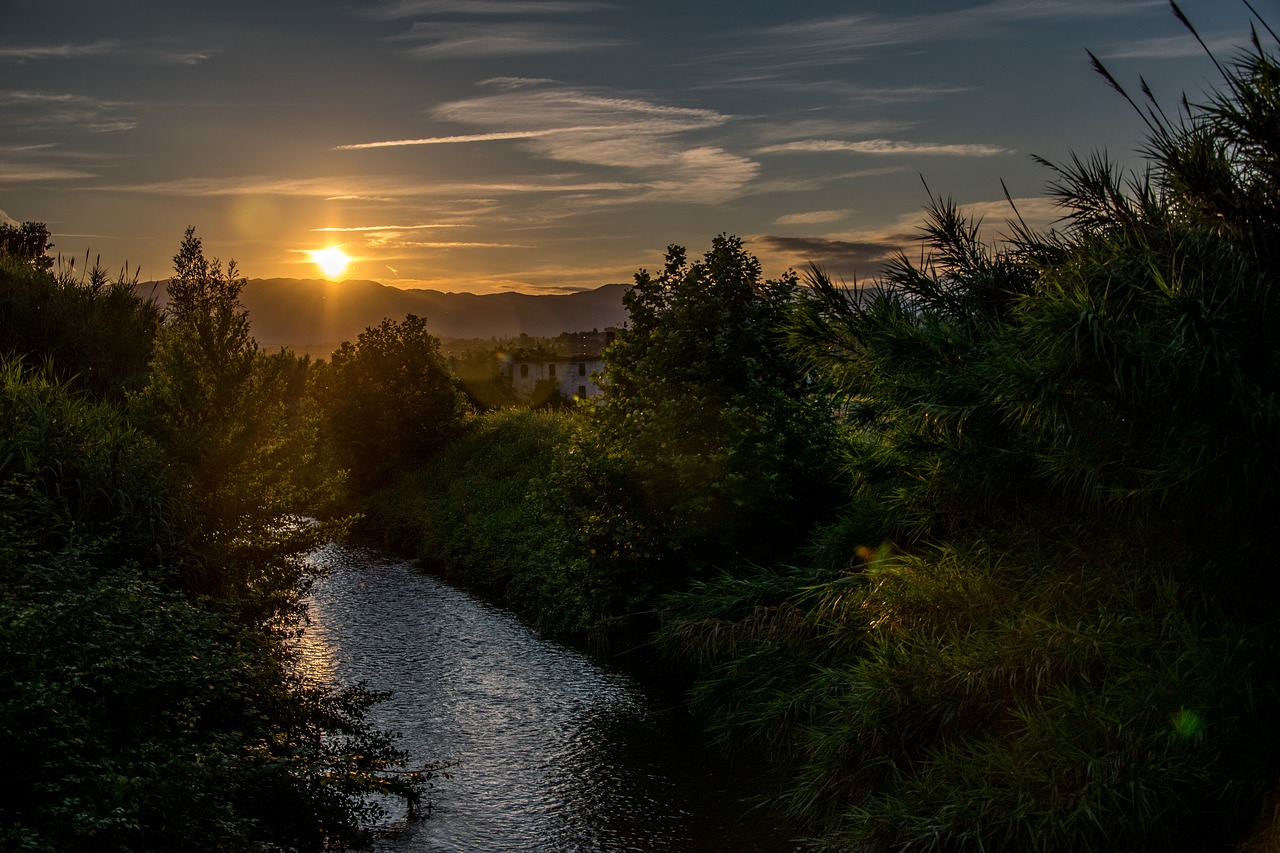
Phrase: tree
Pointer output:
(133, 717)
(707, 446)
(389, 400)
(28, 243)
(242, 446)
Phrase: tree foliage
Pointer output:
(243, 445)
(706, 445)
(132, 716)
(1046, 620)
(28, 244)
(389, 400)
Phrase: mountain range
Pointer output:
(303, 313)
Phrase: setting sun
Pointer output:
(332, 261)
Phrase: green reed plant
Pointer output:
(1060, 633)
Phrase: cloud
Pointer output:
(603, 129)
(515, 82)
(886, 146)
(563, 108)
(43, 110)
(433, 225)
(6, 219)
(830, 91)
(101, 47)
(1039, 212)
(11, 173)
(376, 187)
(861, 254)
(416, 8)
(813, 217)
(845, 38)
(471, 137)
(106, 47)
(848, 259)
(465, 40)
(1173, 47)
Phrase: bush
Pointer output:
(472, 513)
(131, 716)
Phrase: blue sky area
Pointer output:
(552, 145)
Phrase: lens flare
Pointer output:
(332, 261)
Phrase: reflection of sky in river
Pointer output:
(549, 752)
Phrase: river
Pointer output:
(546, 750)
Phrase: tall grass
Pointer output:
(1026, 692)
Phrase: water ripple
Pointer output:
(549, 751)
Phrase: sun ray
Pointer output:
(332, 261)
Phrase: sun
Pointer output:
(332, 261)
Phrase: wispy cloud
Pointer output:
(516, 82)
(46, 110)
(452, 244)
(847, 259)
(604, 129)
(846, 38)
(416, 8)
(357, 228)
(608, 129)
(859, 254)
(1173, 47)
(377, 187)
(813, 217)
(12, 173)
(102, 47)
(471, 137)
(885, 146)
(468, 40)
(152, 52)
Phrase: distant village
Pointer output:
(537, 371)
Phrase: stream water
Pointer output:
(546, 750)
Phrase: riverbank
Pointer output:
(992, 649)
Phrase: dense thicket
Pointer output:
(706, 445)
(96, 332)
(150, 555)
(1046, 621)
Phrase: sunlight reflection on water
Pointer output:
(549, 751)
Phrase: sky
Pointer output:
(548, 146)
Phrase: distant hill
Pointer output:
(298, 312)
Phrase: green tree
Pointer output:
(243, 446)
(133, 717)
(389, 400)
(28, 243)
(707, 446)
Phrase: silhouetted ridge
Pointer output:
(305, 311)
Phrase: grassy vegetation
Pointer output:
(1044, 618)
(472, 513)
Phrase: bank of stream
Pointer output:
(545, 749)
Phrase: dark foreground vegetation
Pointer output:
(156, 478)
(981, 558)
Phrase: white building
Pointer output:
(575, 376)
